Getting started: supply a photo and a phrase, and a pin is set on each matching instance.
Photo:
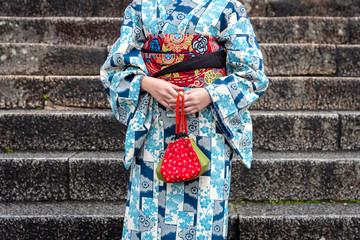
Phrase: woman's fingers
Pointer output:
(194, 100)
(197, 100)
(172, 103)
(161, 90)
(176, 87)
(188, 100)
(190, 91)
(190, 110)
(173, 92)
(173, 100)
(164, 104)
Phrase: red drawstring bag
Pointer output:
(183, 160)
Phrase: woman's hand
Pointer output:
(161, 90)
(196, 100)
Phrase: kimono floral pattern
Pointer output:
(195, 209)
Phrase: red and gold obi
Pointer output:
(184, 60)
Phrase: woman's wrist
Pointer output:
(145, 81)
(207, 97)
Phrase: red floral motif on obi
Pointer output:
(164, 50)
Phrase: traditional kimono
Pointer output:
(195, 209)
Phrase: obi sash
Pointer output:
(184, 60)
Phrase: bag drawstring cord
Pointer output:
(181, 121)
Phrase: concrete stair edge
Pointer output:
(246, 221)
(314, 59)
(88, 175)
(273, 130)
(106, 8)
(83, 92)
(86, 30)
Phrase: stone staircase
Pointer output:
(61, 175)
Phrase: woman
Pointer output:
(154, 36)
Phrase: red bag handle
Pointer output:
(177, 126)
(181, 121)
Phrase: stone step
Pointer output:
(105, 31)
(109, 8)
(310, 93)
(298, 221)
(32, 59)
(61, 220)
(279, 59)
(99, 130)
(100, 175)
(284, 93)
(314, 29)
(60, 30)
(83, 8)
(338, 8)
(103, 220)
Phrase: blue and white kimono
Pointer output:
(195, 209)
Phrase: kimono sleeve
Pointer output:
(121, 75)
(124, 68)
(232, 95)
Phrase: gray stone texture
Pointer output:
(298, 221)
(284, 93)
(279, 59)
(318, 154)
(105, 31)
(339, 8)
(299, 59)
(354, 32)
(21, 91)
(57, 208)
(98, 176)
(60, 130)
(350, 130)
(306, 210)
(32, 59)
(310, 93)
(348, 60)
(233, 224)
(255, 7)
(76, 91)
(34, 176)
(60, 31)
(109, 8)
(78, 8)
(320, 30)
(297, 176)
(279, 131)
(61, 220)
(273, 176)
(104, 220)
(99, 130)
